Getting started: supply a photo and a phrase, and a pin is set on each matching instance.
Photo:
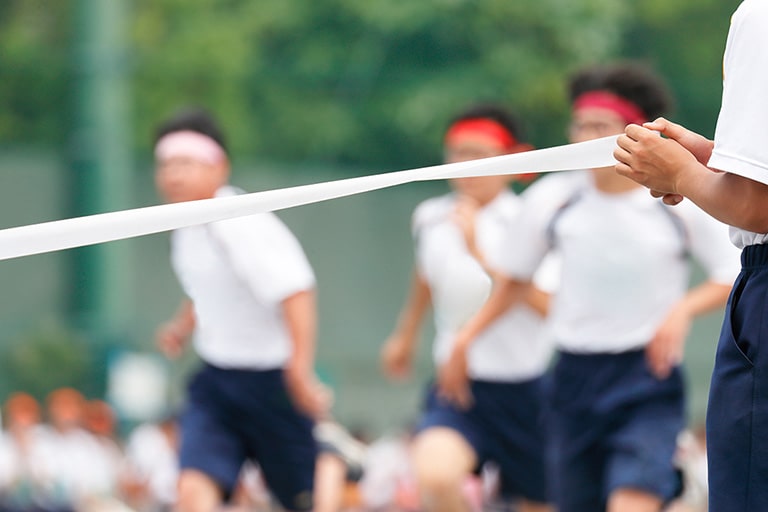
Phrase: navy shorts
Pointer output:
(504, 425)
(613, 425)
(234, 415)
(737, 415)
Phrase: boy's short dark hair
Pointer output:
(632, 81)
(494, 112)
(193, 119)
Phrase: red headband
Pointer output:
(481, 126)
(629, 111)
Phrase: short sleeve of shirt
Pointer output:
(741, 134)
(547, 276)
(428, 213)
(266, 255)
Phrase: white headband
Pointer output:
(189, 144)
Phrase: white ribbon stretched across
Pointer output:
(107, 227)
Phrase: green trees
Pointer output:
(370, 83)
(50, 357)
(34, 69)
(363, 82)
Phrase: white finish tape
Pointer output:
(107, 227)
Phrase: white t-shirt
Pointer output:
(237, 272)
(741, 137)
(516, 346)
(624, 260)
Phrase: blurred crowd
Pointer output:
(66, 455)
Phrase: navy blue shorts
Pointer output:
(613, 425)
(737, 415)
(505, 426)
(234, 415)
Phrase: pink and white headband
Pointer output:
(189, 144)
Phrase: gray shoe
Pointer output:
(335, 439)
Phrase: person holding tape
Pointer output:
(622, 311)
(728, 178)
(456, 235)
(251, 305)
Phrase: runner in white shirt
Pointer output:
(622, 311)
(459, 284)
(681, 165)
(456, 237)
(252, 307)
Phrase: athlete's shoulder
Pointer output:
(506, 206)
(240, 222)
(431, 211)
(555, 188)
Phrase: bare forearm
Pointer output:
(416, 305)
(300, 315)
(173, 335)
(706, 297)
(506, 292)
(185, 317)
(674, 166)
(538, 300)
(732, 199)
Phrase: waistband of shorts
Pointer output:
(588, 357)
(754, 256)
(240, 370)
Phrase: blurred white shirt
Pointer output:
(624, 259)
(237, 272)
(515, 347)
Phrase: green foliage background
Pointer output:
(347, 81)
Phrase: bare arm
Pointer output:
(173, 335)
(674, 167)
(452, 376)
(706, 297)
(538, 300)
(730, 198)
(397, 352)
(506, 293)
(300, 315)
(465, 216)
(666, 348)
